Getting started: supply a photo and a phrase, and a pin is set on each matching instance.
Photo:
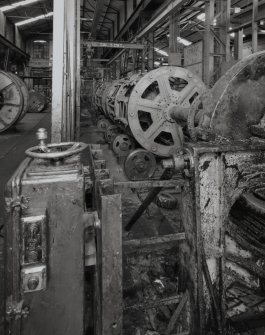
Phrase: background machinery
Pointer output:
(208, 146)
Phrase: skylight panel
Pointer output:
(17, 4)
(34, 19)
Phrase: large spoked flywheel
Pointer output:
(152, 101)
(11, 101)
(237, 100)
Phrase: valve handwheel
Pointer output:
(54, 150)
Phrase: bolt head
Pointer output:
(33, 283)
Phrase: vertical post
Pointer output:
(238, 53)
(208, 45)
(174, 55)
(111, 244)
(254, 26)
(118, 68)
(66, 70)
(151, 50)
(58, 69)
(77, 76)
(143, 55)
(227, 35)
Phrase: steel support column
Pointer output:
(208, 45)
(254, 26)
(174, 55)
(216, 39)
(238, 52)
(150, 47)
(66, 69)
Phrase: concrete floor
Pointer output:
(13, 144)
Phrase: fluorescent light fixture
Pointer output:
(184, 41)
(237, 10)
(33, 19)
(17, 4)
(201, 17)
(233, 35)
(161, 52)
(39, 41)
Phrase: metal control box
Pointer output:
(44, 248)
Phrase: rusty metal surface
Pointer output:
(222, 174)
(59, 308)
(237, 100)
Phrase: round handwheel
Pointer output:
(122, 145)
(57, 150)
(103, 124)
(166, 199)
(140, 165)
(110, 133)
(11, 101)
(151, 105)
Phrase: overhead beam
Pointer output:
(132, 18)
(159, 17)
(12, 46)
(116, 45)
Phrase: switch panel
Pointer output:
(34, 278)
(34, 253)
(33, 240)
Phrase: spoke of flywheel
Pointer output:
(186, 92)
(175, 135)
(7, 86)
(154, 130)
(164, 87)
(148, 106)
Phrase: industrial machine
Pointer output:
(208, 147)
(14, 98)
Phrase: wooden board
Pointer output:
(193, 55)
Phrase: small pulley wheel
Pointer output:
(122, 145)
(140, 165)
(110, 133)
(167, 199)
(103, 124)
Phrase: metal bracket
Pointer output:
(91, 220)
(15, 310)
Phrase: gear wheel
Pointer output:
(167, 199)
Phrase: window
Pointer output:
(40, 49)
